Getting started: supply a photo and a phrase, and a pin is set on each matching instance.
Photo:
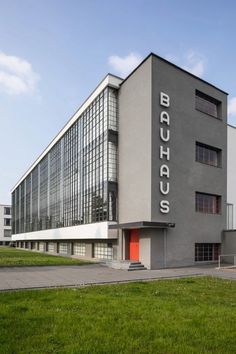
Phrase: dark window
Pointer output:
(206, 252)
(207, 104)
(7, 211)
(207, 203)
(7, 222)
(208, 155)
(7, 233)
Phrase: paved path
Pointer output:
(13, 278)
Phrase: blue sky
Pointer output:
(54, 52)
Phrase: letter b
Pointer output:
(164, 100)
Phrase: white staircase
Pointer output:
(126, 265)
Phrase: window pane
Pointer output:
(207, 154)
(205, 252)
(207, 203)
(7, 222)
(7, 233)
(7, 211)
(207, 104)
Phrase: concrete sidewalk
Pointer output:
(13, 278)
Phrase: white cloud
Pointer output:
(232, 106)
(193, 62)
(124, 65)
(16, 75)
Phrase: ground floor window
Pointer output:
(33, 245)
(103, 250)
(206, 252)
(51, 247)
(41, 246)
(63, 248)
(79, 249)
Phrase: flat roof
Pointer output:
(175, 66)
(231, 126)
(109, 80)
(143, 225)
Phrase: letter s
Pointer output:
(164, 206)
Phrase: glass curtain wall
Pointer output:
(76, 182)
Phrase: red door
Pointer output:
(134, 245)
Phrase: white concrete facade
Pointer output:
(5, 229)
(97, 231)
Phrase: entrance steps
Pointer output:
(126, 265)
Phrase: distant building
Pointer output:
(5, 224)
(138, 173)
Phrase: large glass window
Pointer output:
(208, 155)
(207, 104)
(207, 203)
(76, 182)
(205, 252)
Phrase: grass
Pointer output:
(11, 257)
(193, 315)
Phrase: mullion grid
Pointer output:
(78, 163)
(94, 162)
(43, 197)
(204, 252)
(207, 203)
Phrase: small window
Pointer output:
(207, 203)
(7, 233)
(205, 252)
(79, 249)
(207, 104)
(208, 155)
(7, 222)
(63, 248)
(7, 211)
(103, 250)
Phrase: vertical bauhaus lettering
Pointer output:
(164, 152)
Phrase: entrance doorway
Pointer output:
(134, 245)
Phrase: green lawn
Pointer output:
(11, 257)
(192, 315)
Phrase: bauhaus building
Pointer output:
(138, 173)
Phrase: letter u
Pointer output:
(166, 189)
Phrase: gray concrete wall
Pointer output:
(187, 125)
(134, 176)
(229, 242)
(152, 248)
(145, 248)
